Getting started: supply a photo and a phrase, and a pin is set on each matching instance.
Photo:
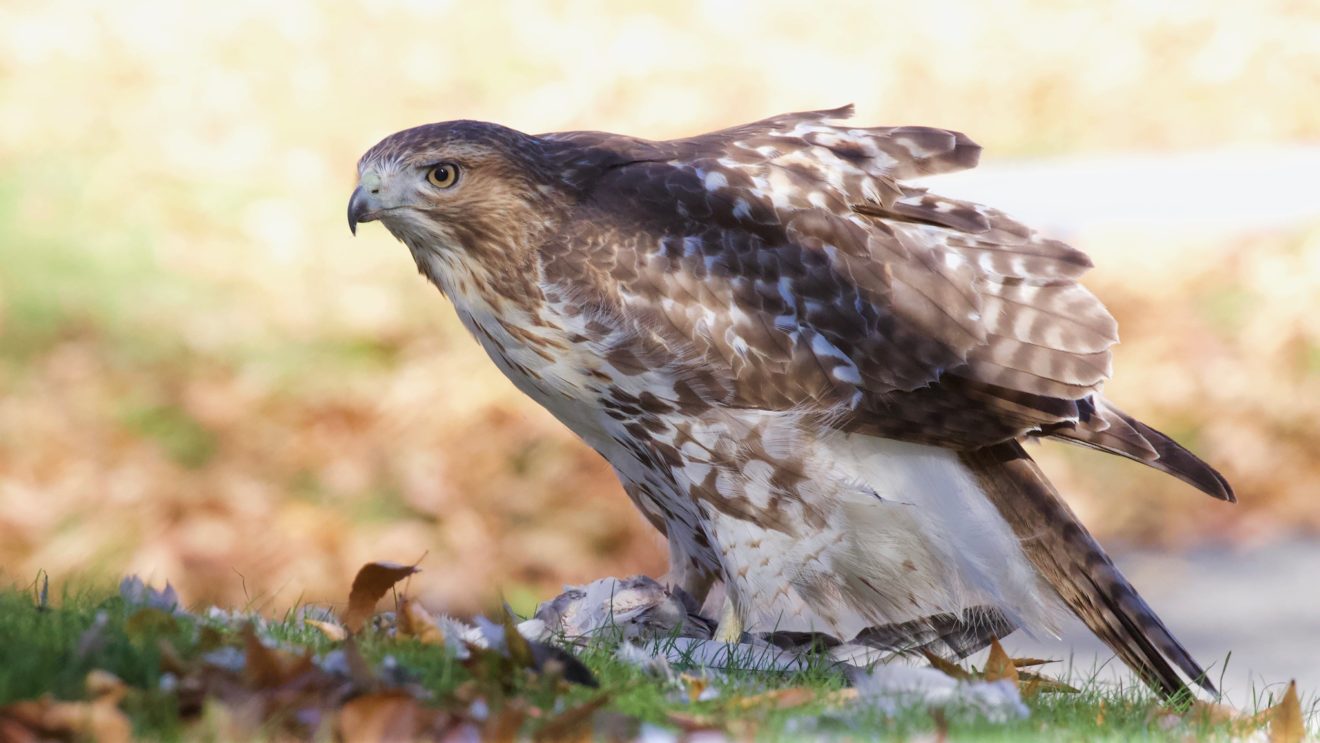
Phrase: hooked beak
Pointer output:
(360, 208)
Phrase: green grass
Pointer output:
(51, 648)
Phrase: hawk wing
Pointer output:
(790, 265)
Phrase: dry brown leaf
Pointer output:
(503, 724)
(103, 685)
(373, 581)
(266, 667)
(1029, 662)
(1213, 714)
(386, 716)
(1034, 683)
(13, 731)
(100, 719)
(574, 723)
(1286, 724)
(332, 631)
(692, 723)
(416, 621)
(794, 696)
(948, 668)
(998, 666)
(695, 685)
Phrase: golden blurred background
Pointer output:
(204, 379)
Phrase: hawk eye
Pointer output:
(443, 175)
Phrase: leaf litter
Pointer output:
(242, 679)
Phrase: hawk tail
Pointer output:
(1066, 555)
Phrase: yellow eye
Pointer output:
(443, 175)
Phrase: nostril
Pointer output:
(375, 190)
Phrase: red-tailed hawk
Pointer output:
(810, 375)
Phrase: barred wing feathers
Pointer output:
(789, 260)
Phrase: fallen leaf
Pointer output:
(998, 666)
(692, 723)
(416, 621)
(1034, 683)
(574, 723)
(1214, 714)
(1029, 662)
(1286, 725)
(100, 719)
(373, 581)
(503, 724)
(386, 716)
(332, 631)
(695, 685)
(266, 667)
(103, 685)
(948, 668)
(794, 696)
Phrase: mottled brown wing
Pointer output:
(790, 262)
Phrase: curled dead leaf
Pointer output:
(416, 621)
(332, 631)
(373, 581)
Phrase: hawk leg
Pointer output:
(686, 573)
(730, 629)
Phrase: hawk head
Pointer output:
(469, 189)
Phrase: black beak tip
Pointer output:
(357, 207)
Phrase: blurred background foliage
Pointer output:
(204, 379)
